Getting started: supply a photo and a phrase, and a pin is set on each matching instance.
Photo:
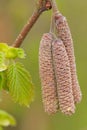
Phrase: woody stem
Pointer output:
(42, 6)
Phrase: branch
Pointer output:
(43, 5)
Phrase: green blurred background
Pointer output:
(13, 15)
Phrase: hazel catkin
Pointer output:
(65, 35)
(47, 75)
(63, 77)
(55, 76)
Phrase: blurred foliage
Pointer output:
(1, 128)
(13, 15)
(6, 119)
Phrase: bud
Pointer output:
(3, 47)
(65, 35)
(47, 75)
(63, 78)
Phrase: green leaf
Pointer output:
(4, 47)
(20, 53)
(3, 81)
(9, 52)
(6, 119)
(2, 62)
(20, 84)
(13, 53)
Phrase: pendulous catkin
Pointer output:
(55, 76)
(49, 92)
(65, 35)
(63, 77)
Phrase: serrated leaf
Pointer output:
(6, 119)
(3, 81)
(20, 84)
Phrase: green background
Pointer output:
(13, 16)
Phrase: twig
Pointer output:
(54, 6)
(43, 5)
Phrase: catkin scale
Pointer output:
(65, 35)
(63, 77)
(49, 92)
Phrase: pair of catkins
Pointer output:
(60, 87)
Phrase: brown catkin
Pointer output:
(65, 35)
(49, 92)
(63, 77)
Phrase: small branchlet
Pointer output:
(42, 5)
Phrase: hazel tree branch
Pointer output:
(42, 6)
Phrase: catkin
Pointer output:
(55, 76)
(49, 92)
(65, 35)
(63, 77)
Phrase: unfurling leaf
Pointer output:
(10, 52)
(20, 53)
(6, 119)
(13, 53)
(4, 47)
(20, 84)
